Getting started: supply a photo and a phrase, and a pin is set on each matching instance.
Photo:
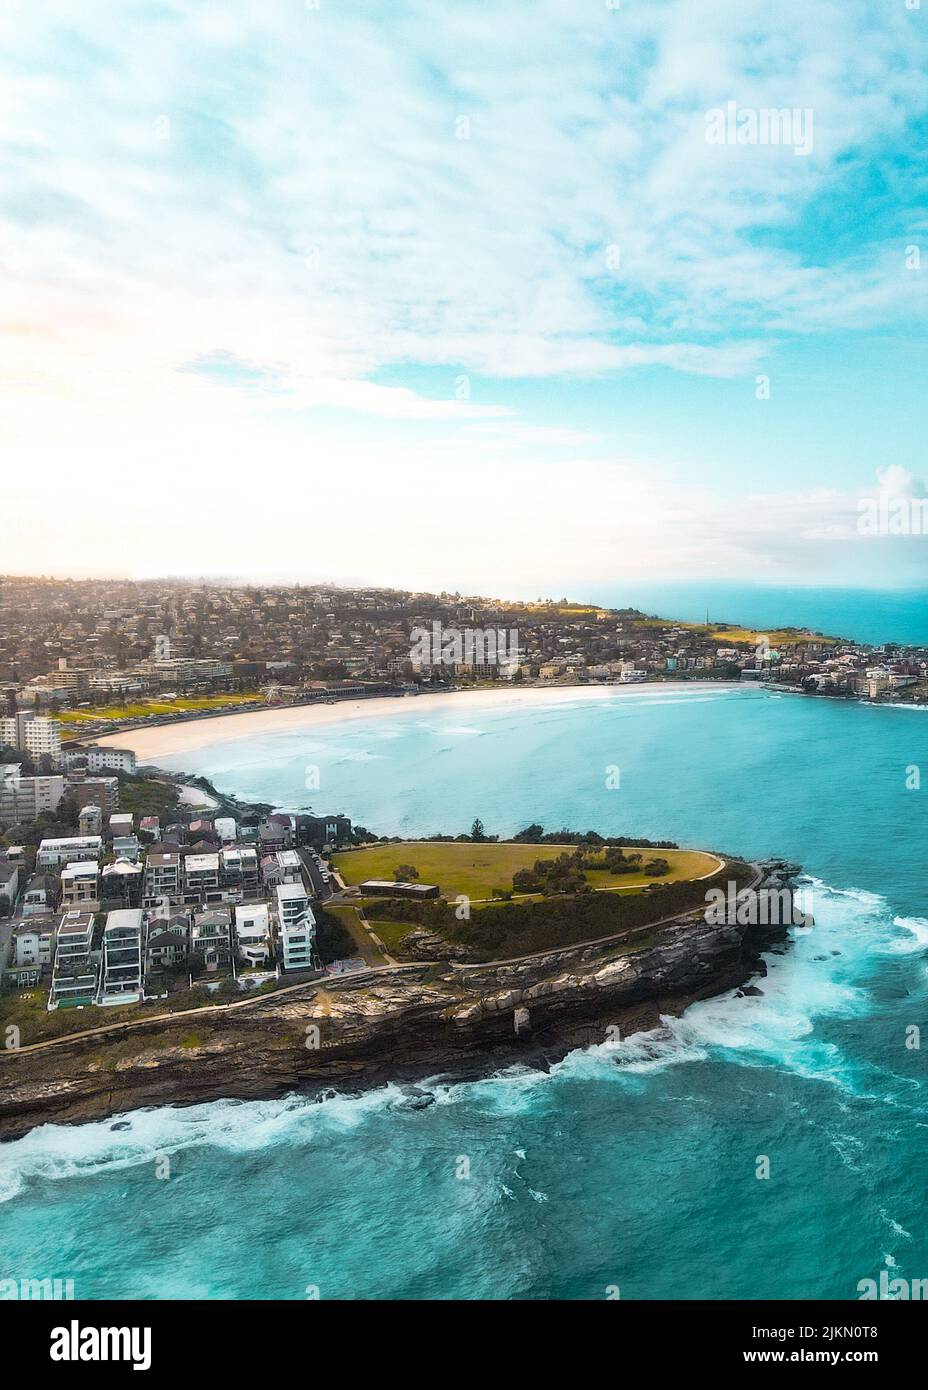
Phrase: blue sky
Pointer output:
(463, 296)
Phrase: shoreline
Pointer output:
(187, 735)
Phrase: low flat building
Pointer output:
(386, 888)
(52, 853)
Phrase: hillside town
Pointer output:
(96, 652)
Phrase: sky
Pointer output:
(508, 298)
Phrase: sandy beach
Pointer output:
(171, 740)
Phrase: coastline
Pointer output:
(187, 735)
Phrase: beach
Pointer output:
(172, 740)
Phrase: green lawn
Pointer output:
(475, 870)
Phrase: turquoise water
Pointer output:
(630, 1164)
(864, 615)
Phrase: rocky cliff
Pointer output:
(406, 1023)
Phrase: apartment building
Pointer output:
(76, 970)
(201, 876)
(121, 883)
(162, 877)
(239, 870)
(52, 853)
(90, 820)
(123, 953)
(24, 798)
(296, 925)
(80, 884)
(32, 733)
(93, 758)
(96, 791)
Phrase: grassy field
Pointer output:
(140, 709)
(475, 870)
(748, 636)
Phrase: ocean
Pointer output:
(631, 1166)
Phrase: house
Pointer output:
(80, 883)
(168, 939)
(150, 828)
(211, 937)
(76, 970)
(296, 926)
(226, 829)
(33, 943)
(127, 847)
(253, 933)
(123, 951)
(40, 897)
(283, 867)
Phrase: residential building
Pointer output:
(80, 884)
(168, 939)
(162, 877)
(97, 791)
(25, 798)
(211, 937)
(40, 896)
(90, 821)
(253, 933)
(121, 882)
(32, 733)
(201, 877)
(33, 943)
(121, 823)
(76, 969)
(296, 926)
(283, 867)
(239, 869)
(69, 850)
(9, 881)
(92, 758)
(123, 949)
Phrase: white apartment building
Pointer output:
(80, 884)
(297, 926)
(253, 933)
(52, 853)
(123, 954)
(97, 759)
(32, 733)
(24, 798)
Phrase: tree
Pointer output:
(477, 832)
(403, 873)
